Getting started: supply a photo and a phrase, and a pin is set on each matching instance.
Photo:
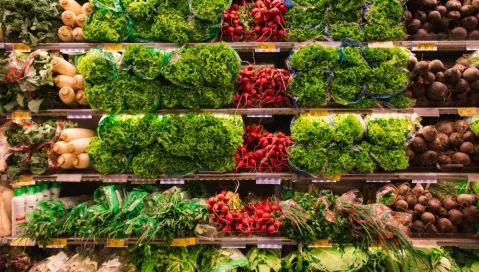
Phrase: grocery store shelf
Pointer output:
(255, 47)
(447, 239)
(263, 112)
(216, 176)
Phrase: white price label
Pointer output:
(142, 181)
(259, 116)
(272, 181)
(69, 178)
(379, 181)
(115, 179)
(323, 180)
(270, 244)
(427, 112)
(80, 114)
(172, 181)
(381, 44)
(429, 180)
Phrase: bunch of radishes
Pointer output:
(268, 21)
(263, 151)
(262, 87)
(229, 215)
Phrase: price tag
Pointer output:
(115, 179)
(69, 178)
(430, 46)
(113, 47)
(429, 180)
(259, 116)
(322, 180)
(266, 47)
(172, 181)
(23, 242)
(115, 243)
(320, 243)
(142, 181)
(318, 112)
(427, 112)
(270, 244)
(80, 114)
(381, 44)
(24, 181)
(233, 245)
(473, 177)
(272, 181)
(21, 47)
(466, 111)
(20, 115)
(56, 262)
(182, 242)
(57, 243)
(379, 181)
(424, 243)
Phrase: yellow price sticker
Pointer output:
(318, 112)
(113, 47)
(56, 243)
(336, 178)
(22, 242)
(24, 180)
(466, 111)
(115, 243)
(320, 243)
(181, 242)
(426, 47)
(20, 115)
(267, 46)
(21, 47)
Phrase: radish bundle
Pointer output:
(72, 148)
(263, 151)
(265, 87)
(258, 21)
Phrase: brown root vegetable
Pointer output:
(427, 194)
(445, 127)
(444, 139)
(439, 76)
(444, 159)
(419, 209)
(475, 5)
(471, 214)
(463, 60)
(411, 201)
(434, 16)
(428, 26)
(430, 4)
(434, 205)
(418, 190)
(449, 203)
(423, 200)
(455, 216)
(401, 205)
(475, 85)
(467, 10)
(444, 225)
(442, 10)
(428, 218)
(469, 23)
(411, 63)
(461, 158)
(421, 16)
(78, 34)
(452, 75)
(418, 226)
(407, 15)
(458, 33)
(429, 157)
(410, 154)
(453, 5)
(467, 148)
(421, 68)
(438, 91)
(443, 212)
(459, 67)
(454, 15)
(462, 86)
(403, 189)
(429, 133)
(468, 136)
(436, 66)
(456, 139)
(471, 74)
(435, 145)
(431, 229)
(473, 35)
(413, 26)
(465, 200)
(428, 78)
(420, 35)
(418, 144)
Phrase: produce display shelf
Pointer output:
(264, 112)
(457, 240)
(256, 47)
(431, 177)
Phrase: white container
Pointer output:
(55, 190)
(30, 200)
(18, 212)
(47, 195)
(38, 193)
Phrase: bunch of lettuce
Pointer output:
(311, 159)
(174, 96)
(104, 159)
(310, 87)
(389, 130)
(106, 26)
(348, 128)
(474, 125)
(385, 79)
(145, 163)
(347, 84)
(98, 66)
(382, 20)
(138, 8)
(104, 97)
(125, 131)
(341, 160)
(312, 130)
(389, 159)
(376, 55)
(209, 10)
(144, 61)
(401, 101)
(305, 24)
(314, 56)
(214, 65)
(346, 31)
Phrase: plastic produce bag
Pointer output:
(391, 130)
(145, 62)
(98, 65)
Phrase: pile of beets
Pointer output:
(228, 214)
(264, 87)
(254, 21)
(263, 151)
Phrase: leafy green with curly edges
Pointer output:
(173, 96)
(376, 55)
(104, 97)
(145, 163)
(209, 10)
(106, 26)
(313, 130)
(341, 160)
(347, 84)
(310, 87)
(388, 131)
(97, 66)
(139, 95)
(310, 159)
(385, 79)
(104, 159)
(314, 56)
(145, 61)
(346, 31)
(348, 128)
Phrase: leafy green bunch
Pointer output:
(305, 24)
(104, 159)
(174, 96)
(209, 10)
(474, 125)
(389, 159)
(348, 128)
(383, 18)
(106, 26)
(214, 65)
(145, 62)
(98, 65)
(314, 56)
(376, 55)
(346, 31)
(388, 131)
(386, 79)
(310, 87)
(312, 130)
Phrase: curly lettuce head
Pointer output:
(313, 130)
(104, 159)
(106, 26)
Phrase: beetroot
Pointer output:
(460, 126)
(449, 203)
(453, 75)
(421, 68)
(429, 157)
(467, 148)
(418, 226)
(429, 133)
(419, 209)
(461, 158)
(442, 10)
(445, 127)
(410, 154)
(453, 5)
(418, 190)
(435, 145)
(438, 91)
(403, 189)
(413, 26)
(444, 225)
(444, 159)
(469, 23)
(418, 144)
(456, 139)
(412, 61)
(423, 200)
(468, 136)
(471, 214)
(428, 218)
(455, 216)
(434, 205)
(431, 229)
(464, 200)
(463, 86)
(401, 205)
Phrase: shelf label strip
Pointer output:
(270, 244)
(271, 181)
(80, 114)
(182, 242)
(69, 177)
(22, 242)
(320, 243)
(115, 179)
(424, 180)
(379, 181)
(172, 181)
(117, 243)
